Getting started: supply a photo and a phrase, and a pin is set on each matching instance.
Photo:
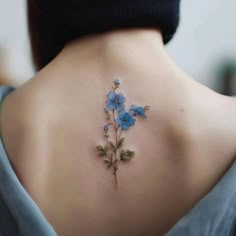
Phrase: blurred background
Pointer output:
(204, 45)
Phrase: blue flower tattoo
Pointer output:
(121, 120)
(115, 101)
(137, 111)
(117, 82)
(125, 120)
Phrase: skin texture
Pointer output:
(51, 125)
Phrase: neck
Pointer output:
(131, 53)
(131, 48)
(119, 43)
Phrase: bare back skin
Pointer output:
(52, 124)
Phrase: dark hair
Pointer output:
(53, 23)
(43, 46)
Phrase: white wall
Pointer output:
(14, 40)
(207, 35)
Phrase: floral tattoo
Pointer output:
(121, 120)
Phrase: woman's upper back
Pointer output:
(182, 149)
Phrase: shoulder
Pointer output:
(18, 105)
(218, 114)
(22, 111)
(14, 116)
(230, 117)
(230, 105)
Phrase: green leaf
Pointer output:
(126, 155)
(122, 153)
(120, 143)
(129, 153)
(125, 158)
(101, 150)
(108, 162)
(112, 145)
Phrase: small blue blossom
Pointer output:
(125, 120)
(106, 110)
(115, 101)
(137, 110)
(117, 82)
(106, 128)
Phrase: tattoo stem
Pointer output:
(115, 168)
(114, 120)
(116, 181)
(120, 134)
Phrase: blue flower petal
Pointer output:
(106, 128)
(122, 98)
(111, 95)
(115, 101)
(125, 120)
(137, 110)
(121, 107)
(140, 111)
(117, 82)
(125, 127)
(110, 105)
